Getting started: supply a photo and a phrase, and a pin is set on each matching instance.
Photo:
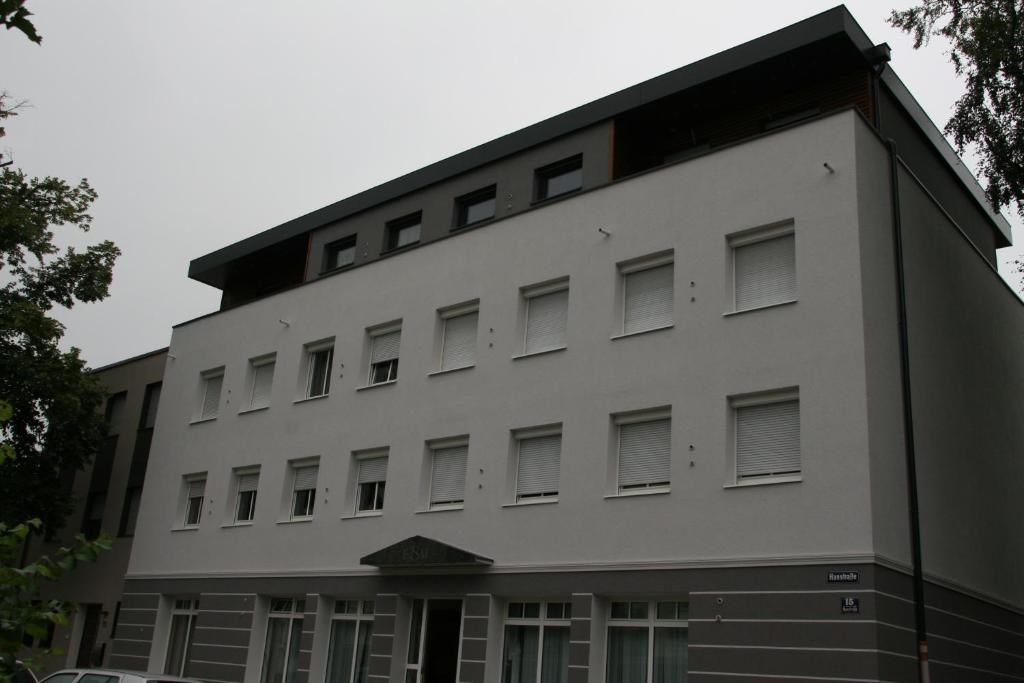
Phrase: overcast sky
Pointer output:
(200, 124)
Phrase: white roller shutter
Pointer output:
(372, 470)
(249, 482)
(644, 453)
(459, 341)
(196, 488)
(648, 299)
(546, 317)
(768, 439)
(448, 475)
(537, 470)
(765, 272)
(305, 478)
(211, 396)
(385, 346)
(262, 380)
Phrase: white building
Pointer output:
(616, 397)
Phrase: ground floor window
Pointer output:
(351, 628)
(536, 646)
(647, 642)
(183, 627)
(284, 632)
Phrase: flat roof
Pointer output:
(210, 268)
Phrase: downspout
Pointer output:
(908, 421)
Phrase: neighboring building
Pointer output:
(108, 491)
(616, 397)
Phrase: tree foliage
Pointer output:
(14, 15)
(986, 39)
(55, 426)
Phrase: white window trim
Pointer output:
(187, 481)
(236, 476)
(519, 435)
(357, 458)
(750, 400)
(371, 334)
(204, 377)
(531, 292)
(293, 614)
(432, 447)
(541, 622)
(745, 238)
(250, 387)
(650, 623)
(638, 417)
(446, 314)
(192, 612)
(293, 467)
(307, 368)
(637, 265)
(362, 616)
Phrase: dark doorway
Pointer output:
(441, 645)
(90, 629)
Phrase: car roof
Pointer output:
(123, 672)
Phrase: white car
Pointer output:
(111, 676)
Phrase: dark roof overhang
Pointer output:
(418, 552)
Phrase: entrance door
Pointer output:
(434, 641)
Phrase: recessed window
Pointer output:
(92, 522)
(150, 403)
(318, 361)
(384, 346)
(114, 412)
(348, 658)
(340, 253)
(183, 624)
(404, 231)
(261, 380)
(458, 337)
(371, 477)
(767, 433)
(211, 384)
(538, 461)
(644, 451)
(647, 294)
(130, 510)
(764, 267)
(303, 490)
(647, 641)
(195, 492)
(536, 644)
(545, 316)
(284, 635)
(246, 483)
(448, 474)
(559, 178)
(476, 206)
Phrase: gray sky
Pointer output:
(200, 124)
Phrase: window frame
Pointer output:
(541, 622)
(364, 614)
(527, 295)
(746, 238)
(295, 467)
(379, 487)
(237, 475)
(663, 414)
(189, 608)
(432, 449)
(254, 365)
(296, 611)
(526, 434)
(651, 622)
(393, 229)
(333, 249)
(310, 351)
(390, 365)
(187, 507)
(464, 203)
(205, 378)
(451, 313)
(543, 176)
(753, 400)
(632, 267)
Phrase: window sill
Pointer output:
(728, 314)
(474, 224)
(435, 373)
(363, 515)
(253, 410)
(527, 502)
(332, 271)
(378, 384)
(632, 493)
(307, 399)
(232, 525)
(295, 520)
(560, 195)
(201, 420)
(440, 508)
(765, 481)
(185, 528)
(539, 353)
(639, 332)
(404, 247)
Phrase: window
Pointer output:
(764, 267)
(404, 231)
(340, 253)
(475, 206)
(559, 178)
(647, 294)
(195, 491)
(149, 405)
(546, 315)
(767, 432)
(384, 345)
(348, 658)
(538, 454)
(371, 475)
(319, 358)
(284, 634)
(130, 510)
(647, 642)
(644, 460)
(303, 490)
(183, 626)
(448, 474)
(536, 642)
(115, 412)
(93, 521)
(246, 483)
(261, 379)
(212, 382)
(458, 337)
